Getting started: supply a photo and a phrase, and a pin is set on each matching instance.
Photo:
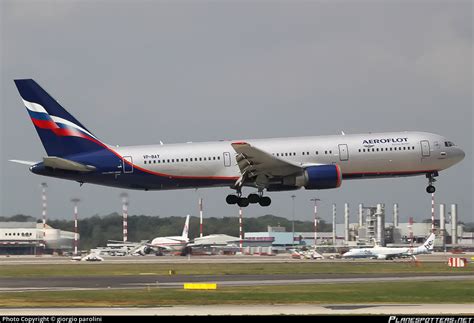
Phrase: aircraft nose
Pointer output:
(459, 155)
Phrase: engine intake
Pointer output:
(322, 177)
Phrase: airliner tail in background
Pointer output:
(276, 164)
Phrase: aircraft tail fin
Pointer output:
(428, 245)
(186, 228)
(61, 134)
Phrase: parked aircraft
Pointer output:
(89, 257)
(306, 254)
(278, 164)
(378, 252)
(169, 243)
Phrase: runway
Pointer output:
(429, 310)
(142, 281)
(279, 258)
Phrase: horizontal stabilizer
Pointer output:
(66, 164)
(23, 162)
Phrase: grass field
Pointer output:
(104, 269)
(359, 293)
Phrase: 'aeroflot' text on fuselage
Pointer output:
(383, 141)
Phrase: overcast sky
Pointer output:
(137, 72)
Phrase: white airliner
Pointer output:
(171, 243)
(278, 164)
(379, 252)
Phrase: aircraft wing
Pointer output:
(253, 161)
(66, 164)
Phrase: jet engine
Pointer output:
(316, 178)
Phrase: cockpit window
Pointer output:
(449, 144)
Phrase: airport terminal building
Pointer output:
(29, 238)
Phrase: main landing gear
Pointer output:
(431, 179)
(251, 199)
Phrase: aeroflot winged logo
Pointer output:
(372, 142)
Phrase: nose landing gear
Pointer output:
(431, 179)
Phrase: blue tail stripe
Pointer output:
(38, 115)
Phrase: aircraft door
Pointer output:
(343, 152)
(127, 165)
(425, 148)
(227, 161)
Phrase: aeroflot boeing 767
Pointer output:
(279, 164)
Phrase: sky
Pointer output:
(137, 72)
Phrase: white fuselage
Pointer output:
(358, 155)
(177, 243)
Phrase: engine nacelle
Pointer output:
(322, 177)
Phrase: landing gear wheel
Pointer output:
(430, 189)
(265, 201)
(243, 202)
(232, 199)
(253, 198)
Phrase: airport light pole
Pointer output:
(124, 197)
(45, 205)
(315, 220)
(432, 212)
(200, 217)
(75, 201)
(293, 220)
(241, 235)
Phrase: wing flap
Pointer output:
(254, 161)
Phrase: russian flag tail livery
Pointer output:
(61, 134)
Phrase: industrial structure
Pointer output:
(372, 228)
